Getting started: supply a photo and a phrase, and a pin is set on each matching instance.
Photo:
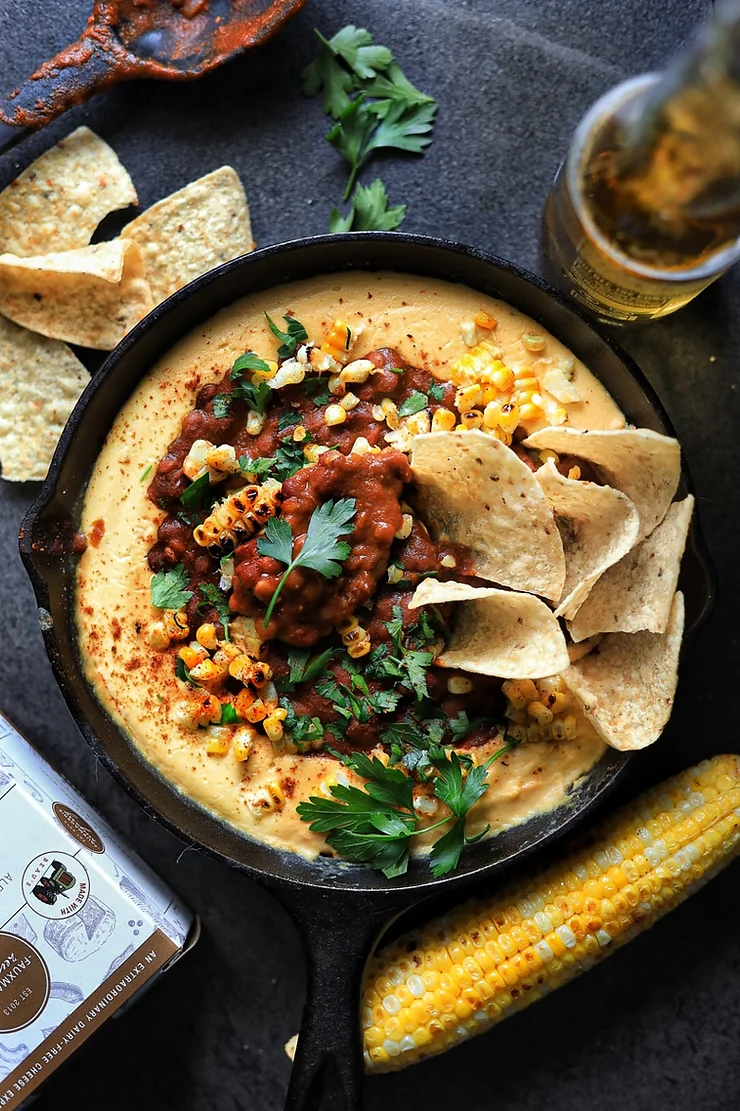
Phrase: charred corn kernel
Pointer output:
(257, 710)
(339, 340)
(390, 413)
(346, 626)
(523, 959)
(273, 725)
(206, 636)
(520, 692)
(336, 385)
(218, 740)
(557, 701)
(255, 423)
(312, 452)
(533, 342)
(176, 624)
(546, 454)
(489, 394)
(467, 397)
(186, 713)
(156, 636)
(574, 473)
(471, 419)
(266, 799)
(221, 461)
(299, 434)
(551, 684)
(291, 373)
(358, 371)
(527, 385)
(499, 434)
(558, 415)
(406, 526)
(194, 463)
(334, 414)
(424, 803)
(540, 713)
(359, 648)
(571, 726)
(208, 672)
(471, 366)
(242, 743)
(349, 401)
(502, 415)
(192, 655)
(459, 684)
(419, 423)
(395, 573)
(485, 320)
(378, 413)
(448, 561)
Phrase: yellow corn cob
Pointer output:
(462, 973)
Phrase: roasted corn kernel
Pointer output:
(176, 624)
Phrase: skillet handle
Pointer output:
(72, 77)
(340, 932)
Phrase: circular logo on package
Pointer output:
(77, 827)
(24, 983)
(56, 885)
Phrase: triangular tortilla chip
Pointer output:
(626, 686)
(642, 464)
(497, 632)
(597, 525)
(75, 296)
(58, 202)
(475, 491)
(637, 592)
(191, 231)
(40, 381)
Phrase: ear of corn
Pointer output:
(462, 973)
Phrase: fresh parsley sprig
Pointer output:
(170, 589)
(322, 549)
(293, 335)
(375, 107)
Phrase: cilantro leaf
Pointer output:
(355, 46)
(414, 403)
(437, 391)
(293, 335)
(303, 667)
(212, 596)
(369, 211)
(445, 853)
(415, 665)
(351, 135)
(404, 127)
(195, 496)
(328, 76)
(229, 715)
(259, 466)
(395, 627)
(322, 549)
(289, 418)
(250, 360)
(183, 674)
(170, 588)
(289, 458)
(394, 85)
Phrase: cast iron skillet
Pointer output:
(341, 909)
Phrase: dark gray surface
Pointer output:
(658, 1026)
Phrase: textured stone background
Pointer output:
(657, 1026)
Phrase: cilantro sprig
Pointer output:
(375, 107)
(170, 589)
(293, 335)
(374, 824)
(322, 549)
(255, 394)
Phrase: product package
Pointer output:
(84, 923)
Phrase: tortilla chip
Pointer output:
(497, 632)
(642, 464)
(597, 525)
(637, 592)
(475, 491)
(75, 296)
(40, 381)
(626, 686)
(191, 231)
(57, 203)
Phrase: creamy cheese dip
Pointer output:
(420, 318)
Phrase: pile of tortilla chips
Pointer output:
(58, 288)
(603, 557)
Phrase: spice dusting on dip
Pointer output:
(300, 617)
